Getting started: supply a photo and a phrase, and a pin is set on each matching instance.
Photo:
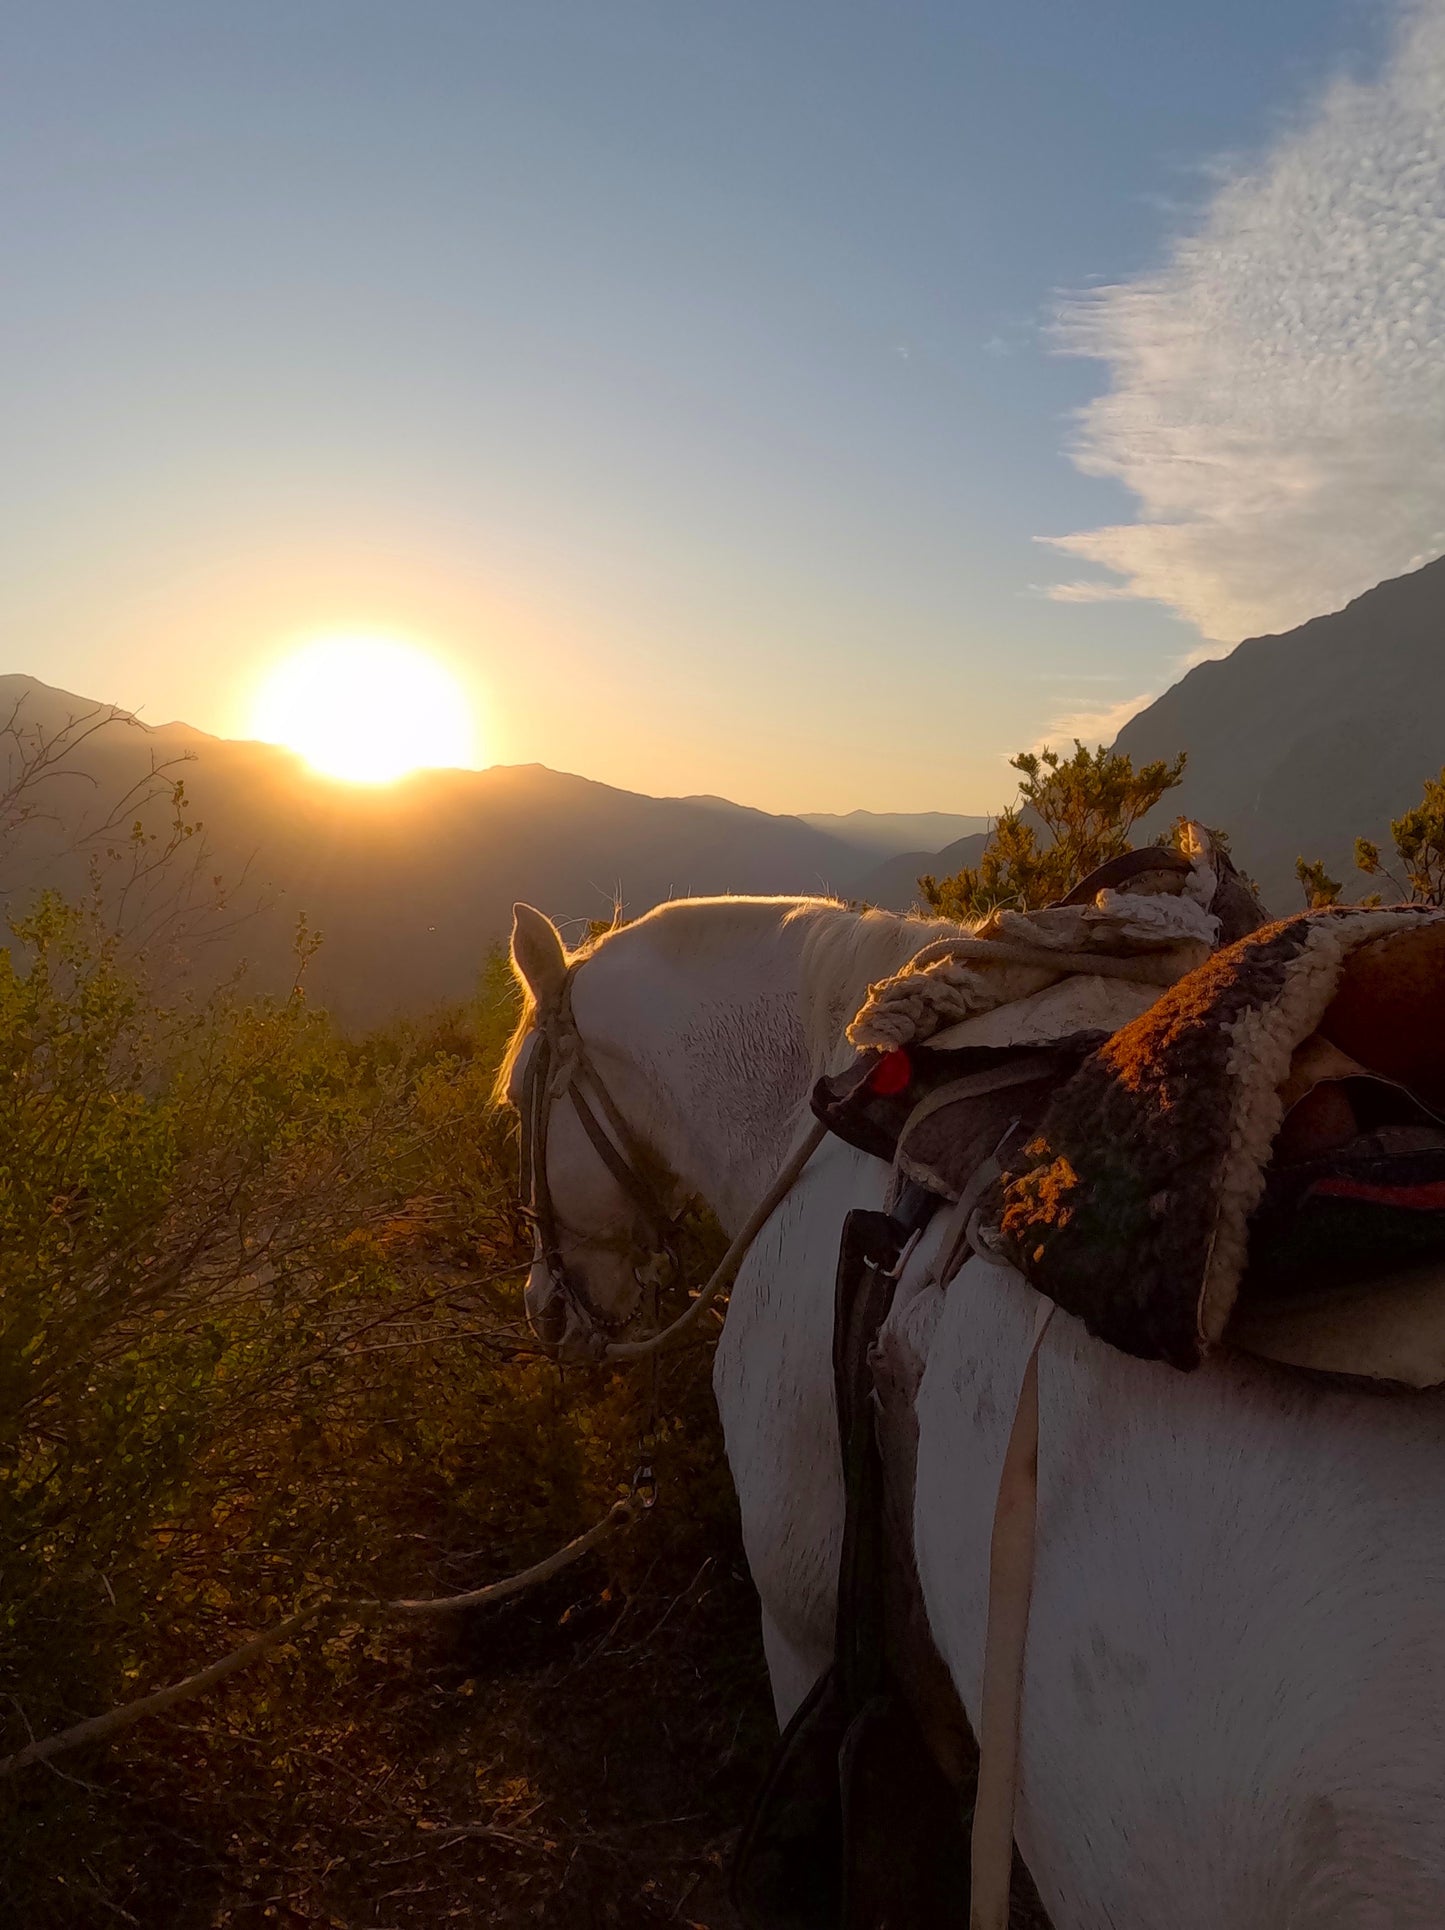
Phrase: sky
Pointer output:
(810, 404)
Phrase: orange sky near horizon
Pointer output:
(547, 683)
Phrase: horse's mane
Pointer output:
(844, 952)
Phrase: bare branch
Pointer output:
(100, 1728)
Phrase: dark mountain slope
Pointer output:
(1298, 743)
(894, 883)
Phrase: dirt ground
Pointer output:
(577, 1758)
(629, 1744)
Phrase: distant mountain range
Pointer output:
(893, 884)
(1300, 743)
(410, 884)
(1296, 743)
(889, 833)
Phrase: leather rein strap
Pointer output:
(560, 1066)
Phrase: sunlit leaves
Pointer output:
(1072, 814)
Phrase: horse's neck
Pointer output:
(735, 1060)
(737, 1073)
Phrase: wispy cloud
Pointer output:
(1278, 395)
(1083, 592)
(1100, 725)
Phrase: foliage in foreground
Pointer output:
(261, 1336)
(1418, 874)
(1085, 806)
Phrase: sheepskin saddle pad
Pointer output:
(1258, 1160)
(961, 1050)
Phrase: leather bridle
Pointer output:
(560, 1066)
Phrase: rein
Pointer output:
(560, 1066)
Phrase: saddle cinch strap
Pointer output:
(1010, 1592)
(862, 1823)
(856, 1826)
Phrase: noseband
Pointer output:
(561, 1066)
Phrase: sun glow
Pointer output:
(367, 709)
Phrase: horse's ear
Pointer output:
(538, 955)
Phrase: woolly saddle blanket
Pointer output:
(1213, 1130)
(1258, 1158)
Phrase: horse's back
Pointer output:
(1235, 1694)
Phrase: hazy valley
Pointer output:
(1296, 743)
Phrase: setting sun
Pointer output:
(367, 709)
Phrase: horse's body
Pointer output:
(1234, 1705)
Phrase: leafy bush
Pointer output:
(1086, 805)
(1319, 888)
(1418, 838)
(260, 1337)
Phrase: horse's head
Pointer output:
(602, 1203)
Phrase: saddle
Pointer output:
(1243, 1151)
(1253, 1158)
(1258, 1162)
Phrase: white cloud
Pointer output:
(1278, 395)
(1084, 592)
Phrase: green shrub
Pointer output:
(1085, 805)
(260, 1336)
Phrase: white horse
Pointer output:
(1234, 1699)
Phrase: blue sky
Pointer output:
(690, 377)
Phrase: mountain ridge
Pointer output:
(1300, 741)
(1297, 742)
(412, 883)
